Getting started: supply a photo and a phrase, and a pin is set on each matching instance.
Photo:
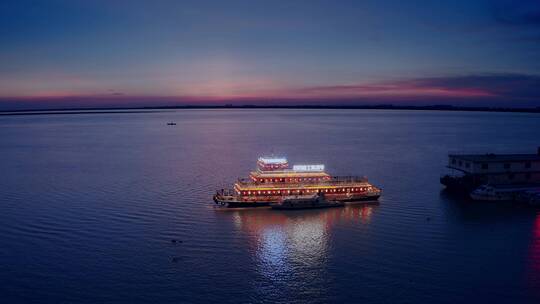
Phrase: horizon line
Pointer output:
(132, 109)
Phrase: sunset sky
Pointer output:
(133, 53)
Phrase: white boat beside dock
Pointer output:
(502, 192)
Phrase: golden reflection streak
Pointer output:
(283, 240)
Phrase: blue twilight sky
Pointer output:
(100, 53)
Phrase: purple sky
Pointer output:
(143, 53)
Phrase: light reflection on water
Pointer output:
(285, 240)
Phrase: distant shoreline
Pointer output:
(117, 110)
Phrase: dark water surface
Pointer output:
(89, 205)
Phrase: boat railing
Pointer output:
(355, 179)
(341, 180)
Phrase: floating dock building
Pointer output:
(472, 170)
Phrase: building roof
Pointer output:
(496, 157)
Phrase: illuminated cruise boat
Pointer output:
(273, 180)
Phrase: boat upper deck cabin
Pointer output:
(276, 170)
(272, 163)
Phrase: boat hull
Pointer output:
(246, 204)
(235, 203)
(308, 206)
(367, 198)
(492, 198)
(231, 202)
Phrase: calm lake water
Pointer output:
(89, 204)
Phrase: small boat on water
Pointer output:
(534, 199)
(314, 201)
(501, 192)
(171, 124)
(531, 197)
